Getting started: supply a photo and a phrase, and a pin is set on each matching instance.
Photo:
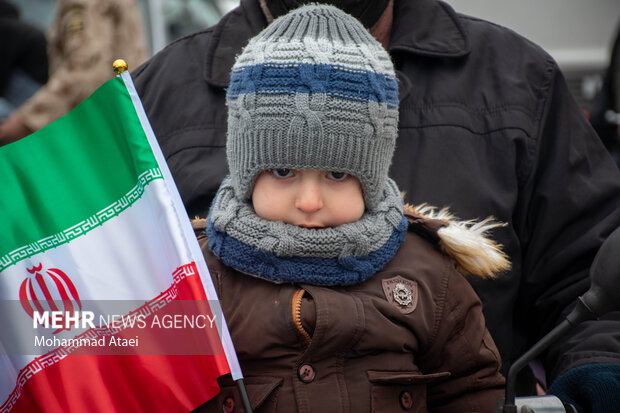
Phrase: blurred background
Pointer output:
(581, 35)
(165, 20)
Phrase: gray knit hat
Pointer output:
(313, 90)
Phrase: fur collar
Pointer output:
(464, 241)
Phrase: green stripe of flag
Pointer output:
(72, 169)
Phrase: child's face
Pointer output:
(308, 198)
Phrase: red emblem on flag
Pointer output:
(49, 290)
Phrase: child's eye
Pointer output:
(337, 176)
(282, 173)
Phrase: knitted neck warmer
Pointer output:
(279, 252)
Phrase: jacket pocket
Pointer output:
(394, 391)
(262, 392)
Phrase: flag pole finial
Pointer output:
(119, 66)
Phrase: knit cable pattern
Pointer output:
(279, 252)
(237, 219)
(313, 90)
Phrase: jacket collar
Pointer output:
(427, 28)
(421, 27)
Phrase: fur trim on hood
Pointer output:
(464, 241)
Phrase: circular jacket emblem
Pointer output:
(402, 293)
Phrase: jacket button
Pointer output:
(306, 373)
(406, 401)
(228, 406)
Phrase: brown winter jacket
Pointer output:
(306, 348)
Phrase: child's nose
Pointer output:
(309, 198)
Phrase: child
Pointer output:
(337, 299)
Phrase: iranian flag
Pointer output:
(106, 303)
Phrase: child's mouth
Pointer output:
(312, 226)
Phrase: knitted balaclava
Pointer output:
(314, 90)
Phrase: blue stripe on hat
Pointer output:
(290, 78)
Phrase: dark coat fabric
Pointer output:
(487, 127)
(22, 48)
(307, 348)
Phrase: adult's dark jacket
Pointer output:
(487, 127)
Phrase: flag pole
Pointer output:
(120, 66)
(244, 396)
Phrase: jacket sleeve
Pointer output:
(569, 204)
(462, 346)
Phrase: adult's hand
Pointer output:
(13, 128)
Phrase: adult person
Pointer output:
(24, 59)
(487, 127)
(84, 38)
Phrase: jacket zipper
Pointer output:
(296, 307)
